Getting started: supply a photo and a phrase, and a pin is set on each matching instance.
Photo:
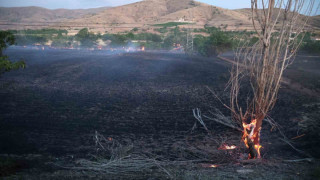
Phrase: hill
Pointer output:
(38, 14)
(149, 12)
(143, 15)
(313, 21)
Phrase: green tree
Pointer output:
(135, 29)
(218, 42)
(130, 35)
(199, 42)
(310, 45)
(117, 39)
(86, 38)
(62, 40)
(7, 39)
(31, 39)
(168, 42)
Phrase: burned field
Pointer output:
(71, 110)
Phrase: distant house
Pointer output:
(182, 20)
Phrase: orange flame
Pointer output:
(142, 49)
(251, 134)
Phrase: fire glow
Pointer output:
(249, 137)
(226, 147)
(209, 165)
(213, 166)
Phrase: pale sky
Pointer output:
(85, 4)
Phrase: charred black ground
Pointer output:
(54, 107)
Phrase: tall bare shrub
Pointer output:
(279, 25)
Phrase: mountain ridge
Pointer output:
(142, 14)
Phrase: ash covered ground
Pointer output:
(51, 112)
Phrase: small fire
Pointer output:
(231, 147)
(250, 135)
(226, 147)
(142, 48)
(209, 165)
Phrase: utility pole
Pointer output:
(189, 45)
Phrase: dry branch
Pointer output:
(219, 118)
(117, 160)
(299, 160)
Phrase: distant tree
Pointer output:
(211, 29)
(118, 40)
(218, 42)
(130, 35)
(168, 42)
(60, 41)
(148, 37)
(199, 42)
(176, 37)
(155, 38)
(99, 35)
(7, 39)
(253, 40)
(162, 30)
(31, 39)
(135, 29)
(310, 45)
(176, 31)
(86, 38)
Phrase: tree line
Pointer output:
(209, 41)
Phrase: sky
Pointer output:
(85, 4)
